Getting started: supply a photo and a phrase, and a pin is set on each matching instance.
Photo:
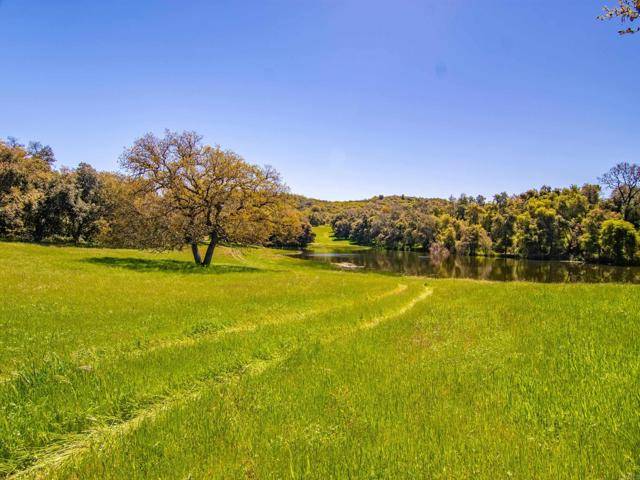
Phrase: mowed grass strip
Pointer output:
(386, 378)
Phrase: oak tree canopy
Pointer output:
(201, 192)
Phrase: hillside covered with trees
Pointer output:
(176, 191)
(577, 223)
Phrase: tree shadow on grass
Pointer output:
(169, 266)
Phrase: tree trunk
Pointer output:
(210, 248)
(76, 235)
(196, 253)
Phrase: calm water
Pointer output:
(500, 269)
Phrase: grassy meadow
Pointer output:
(127, 364)
(325, 242)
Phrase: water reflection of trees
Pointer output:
(489, 268)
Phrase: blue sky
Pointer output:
(347, 99)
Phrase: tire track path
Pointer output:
(54, 457)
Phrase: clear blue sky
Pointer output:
(347, 99)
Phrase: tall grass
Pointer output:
(123, 364)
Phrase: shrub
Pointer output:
(618, 241)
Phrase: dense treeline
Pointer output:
(202, 192)
(567, 223)
(177, 191)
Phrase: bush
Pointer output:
(618, 241)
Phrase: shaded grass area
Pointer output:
(280, 369)
(170, 266)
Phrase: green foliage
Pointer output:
(618, 241)
(473, 241)
(89, 203)
(291, 230)
(542, 224)
(590, 239)
(572, 204)
(502, 228)
(38, 203)
(448, 237)
(181, 191)
(23, 182)
(539, 232)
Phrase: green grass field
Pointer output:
(325, 241)
(127, 364)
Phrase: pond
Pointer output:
(482, 268)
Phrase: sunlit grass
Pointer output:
(127, 364)
(326, 242)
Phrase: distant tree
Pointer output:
(460, 206)
(626, 11)
(360, 231)
(572, 204)
(539, 231)
(475, 213)
(129, 219)
(448, 233)
(88, 203)
(618, 241)
(501, 200)
(624, 182)
(13, 142)
(43, 152)
(317, 216)
(473, 240)
(52, 214)
(24, 180)
(591, 226)
(341, 225)
(502, 228)
(289, 228)
(305, 235)
(422, 230)
(203, 191)
(592, 192)
(72, 206)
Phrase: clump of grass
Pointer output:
(204, 328)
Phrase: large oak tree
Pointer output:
(196, 192)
